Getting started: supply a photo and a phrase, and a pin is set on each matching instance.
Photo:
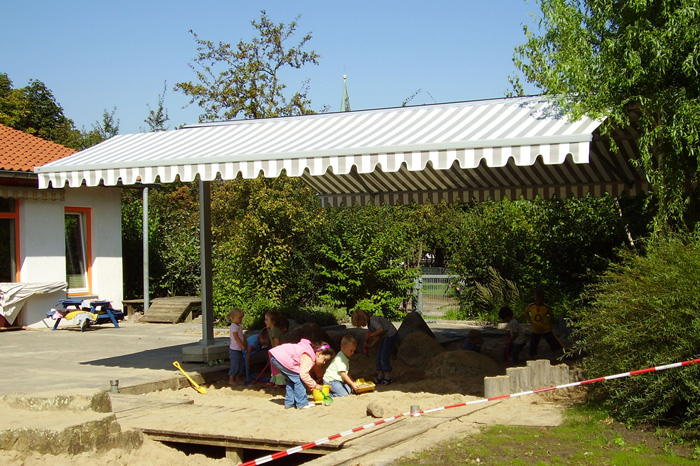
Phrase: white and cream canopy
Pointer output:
(459, 151)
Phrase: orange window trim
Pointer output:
(15, 216)
(88, 249)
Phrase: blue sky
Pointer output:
(97, 55)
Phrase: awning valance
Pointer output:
(19, 192)
(453, 151)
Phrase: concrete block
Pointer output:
(559, 374)
(519, 379)
(201, 353)
(539, 373)
(496, 386)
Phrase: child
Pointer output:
(337, 374)
(272, 321)
(540, 316)
(380, 331)
(474, 341)
(295, 361)
(515, 335)
(236, 347)
(255, 344)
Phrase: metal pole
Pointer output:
(205, 262)
(146, 270)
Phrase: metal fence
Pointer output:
(436, 292)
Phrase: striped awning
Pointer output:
(469, 150)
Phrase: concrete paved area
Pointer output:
(69, 361)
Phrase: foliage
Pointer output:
(174, 240)
(157, 118)
(34, 110)
(633, 62)
(645, 311)
(266, 240)
(496, 292)
(362, 259)
(557, 244)
(320, 314)
(249, 83)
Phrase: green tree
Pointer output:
(157, 118)
(101, 131)
(249, 84)
(266, 233)
(13, 105)
(363, 253)
(633, 62)
(34, 110)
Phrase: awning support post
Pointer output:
(206, 262)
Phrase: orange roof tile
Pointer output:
(22, 152)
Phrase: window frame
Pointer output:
(15, 216)
(85, 216)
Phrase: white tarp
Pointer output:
(14, 295)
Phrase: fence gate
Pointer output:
(435, 292)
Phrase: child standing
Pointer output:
(295, 361)
(380, 331)
(540, 316)
(236, 347)
(515, 335)
(337, 374)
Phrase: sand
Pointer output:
(258, 410)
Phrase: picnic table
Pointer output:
(100, 312)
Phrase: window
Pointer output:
(78, 250)
(9, 240)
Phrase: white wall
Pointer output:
(42, 246)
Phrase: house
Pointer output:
(56, 243)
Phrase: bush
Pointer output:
(644, 312)
(321, 315)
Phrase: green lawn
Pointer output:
(587, 437)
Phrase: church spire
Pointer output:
(345, 102)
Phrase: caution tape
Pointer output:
(306, 446)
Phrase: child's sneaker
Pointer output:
(307, 406)
(385, 382)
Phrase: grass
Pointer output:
(587, 437)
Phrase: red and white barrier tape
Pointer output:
(306, 446)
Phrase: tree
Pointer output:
(101, 131)
(634, 62)
(249, 85)
(157, 118)
(34, 110)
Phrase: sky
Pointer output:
(97, 55)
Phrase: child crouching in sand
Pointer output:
(337, 373)
(295, 361)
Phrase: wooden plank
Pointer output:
(172, 309)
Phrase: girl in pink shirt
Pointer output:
(295, 361)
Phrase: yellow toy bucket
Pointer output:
(320, 395)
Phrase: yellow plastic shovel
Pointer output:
(195, 385)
